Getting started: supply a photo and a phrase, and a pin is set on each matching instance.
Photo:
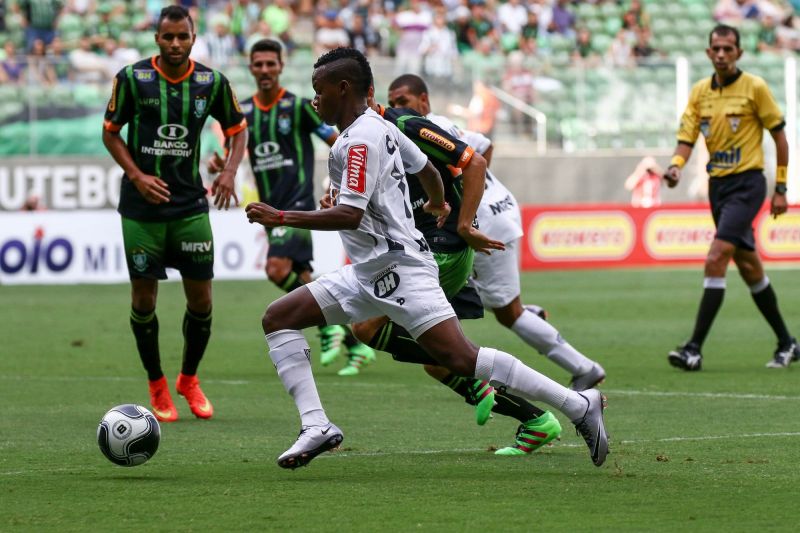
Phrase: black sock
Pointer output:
(291, 282)
(709, 306)
(509, 405)
(350, 339)
(394, 339)
(196, 331)
(505, 403)
(767, 303)
(145, 329)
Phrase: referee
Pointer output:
(731, 109)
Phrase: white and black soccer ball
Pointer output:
(128, 435)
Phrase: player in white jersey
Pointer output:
(392, 272)
(496, 276)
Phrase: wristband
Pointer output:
(780, 174)
(677, 161)
(280, 217)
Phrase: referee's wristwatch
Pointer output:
(780, 188)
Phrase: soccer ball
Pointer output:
(128, 435)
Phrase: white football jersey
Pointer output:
(498, 213)
(367, 172)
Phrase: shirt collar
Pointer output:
(727, 82)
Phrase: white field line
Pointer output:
(338, 382)
(339, 454)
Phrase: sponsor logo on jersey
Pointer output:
(386, 282)
(247, 108)
(152, 102)
(235, 102)
(503, 205)
(266, 149)
(144, 75)
(203, 78)
(725, 158)
(204, 246)
(172, 132)
(284, 124)
(268, 156)
(200, 106)
(171, 142)
(435, 138)
(356, 172)
(112, 104)
(284, 102)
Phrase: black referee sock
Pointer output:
(291, 282)
(394, 339)
(713, 294)
(767, 302)
(196, 332)
(145, 329)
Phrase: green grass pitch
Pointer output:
(714, 450)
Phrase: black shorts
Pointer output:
(291, 243)
(467, 304)
(735, 202)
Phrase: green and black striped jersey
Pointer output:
(165, 118)
(449, 155)
(280, 149)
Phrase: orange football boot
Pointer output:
(189, 388)
(161, 401)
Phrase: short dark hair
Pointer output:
(723, 30)
(415, 84)
(354, 67)
(267, 45)
(174, 13)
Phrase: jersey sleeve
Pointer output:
(478, 141)
(689, 127)
(359, 173)
(768, 111)
(413, 158)
(225, 108)
(436, 143)
(119, 110)
(311, 123)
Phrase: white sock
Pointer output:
(502, 369)
(290, 354)
(546, 339)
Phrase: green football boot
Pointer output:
(360, 356)
(331, 342)
(533, 434)
(481, 395)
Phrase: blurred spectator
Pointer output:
(262, 31)
(484, 62)
(58, 60)
(788, 36)
(32, 203)
(481, 25)
(410, 23)
(12, 68)
(511, 16)
(107, 27)
(645, 183)
(118, 54)
(768, 35)
(39, 18)
(562, 20)
(620, 52)
(240, 22)
(330, 34)
(438, 47)
(640, 16)
(529, 34)
(41, 71)
(727, 12)
(362, 37)
(221, 44)
(88, 67)
(3, 15)
(584, 52)
(483, 107)
(518, 81)
(461, 28)
(630, 26)
(279, 16)
(642, 50)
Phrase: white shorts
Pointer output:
(403, 287)
(496, 276)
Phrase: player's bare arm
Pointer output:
(673, 174)
(223, 186)
(440, 211)
(337, 218)
(153, 189)
(779, 205)
(473, 178)
(487, 155)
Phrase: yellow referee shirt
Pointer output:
(732, 118)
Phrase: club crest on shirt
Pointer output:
(355, 177)
(139, 258)
(705, 127)
(284, 124)
(200, 106)
(734, 123)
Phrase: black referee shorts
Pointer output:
(735, 202)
